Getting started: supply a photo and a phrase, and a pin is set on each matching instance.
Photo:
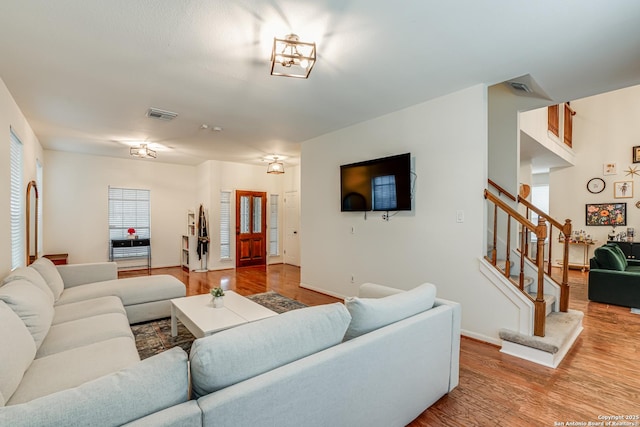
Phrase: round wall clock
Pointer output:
(596, 185)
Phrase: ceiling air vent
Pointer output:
(520, 87)
(156, 113)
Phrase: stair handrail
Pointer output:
(540, 231)
(501, 190)
(565, 229)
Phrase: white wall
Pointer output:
(604, 130)
(447, 137)
(76, 204)
(12, 118)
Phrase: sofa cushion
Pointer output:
(143, 388)
(16, 352)
(74, 367)
(50, 274)
(88, 308)
(609, 258)
(31, 304)
(233, 355)
(133, 290)
(368, 314)
(80, 332)
(30, 275)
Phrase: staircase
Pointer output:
(548, 328)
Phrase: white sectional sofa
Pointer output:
(368, 362)
(63, 326)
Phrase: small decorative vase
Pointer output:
(131, 236)
(218, 302)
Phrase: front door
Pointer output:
(251, 228)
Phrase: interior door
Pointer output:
(291, 228)
(251, 228)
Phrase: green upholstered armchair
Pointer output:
(614, 279)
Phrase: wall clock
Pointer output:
(596, 185)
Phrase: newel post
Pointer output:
(564, 286)
(539, 303)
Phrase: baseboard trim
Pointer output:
(480, 337)
(322, 291)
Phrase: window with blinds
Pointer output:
(129, 208)
(225, 224)
(16, 203)
(273, 226)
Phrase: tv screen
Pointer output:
(377, 185)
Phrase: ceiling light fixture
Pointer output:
(142, 151)
(292, 58)
(275, 166)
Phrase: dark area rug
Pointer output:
(155, 337)
(276, 302)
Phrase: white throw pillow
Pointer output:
(49, 272)
(30, 304)
(32, 276)
(368, 314)
(234, 355)
(16, 352)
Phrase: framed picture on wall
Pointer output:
(636, 154)
(609, 168)
(623, 190)
(606, 214)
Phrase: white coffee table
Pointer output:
(201, 319)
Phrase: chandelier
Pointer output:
(275, 166)
(142, 151)
(292, 58)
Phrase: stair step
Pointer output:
(561, 331)
(549, 299)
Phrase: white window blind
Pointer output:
(273, 225)
(129, 208)
(225, 224)
(16, 204)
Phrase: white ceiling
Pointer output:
(84, 72)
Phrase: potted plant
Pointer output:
(217, 294)
(132, 233)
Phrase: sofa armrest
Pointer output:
(455, 339)
(633, 262)
(81, 274)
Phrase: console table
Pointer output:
(127, 249)
(585, 255)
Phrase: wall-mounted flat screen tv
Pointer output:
(377, 185)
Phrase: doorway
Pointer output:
(291, 226)
(251, 228)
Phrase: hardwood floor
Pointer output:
(281, 278)
(599, 377)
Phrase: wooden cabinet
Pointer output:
(630, 249)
